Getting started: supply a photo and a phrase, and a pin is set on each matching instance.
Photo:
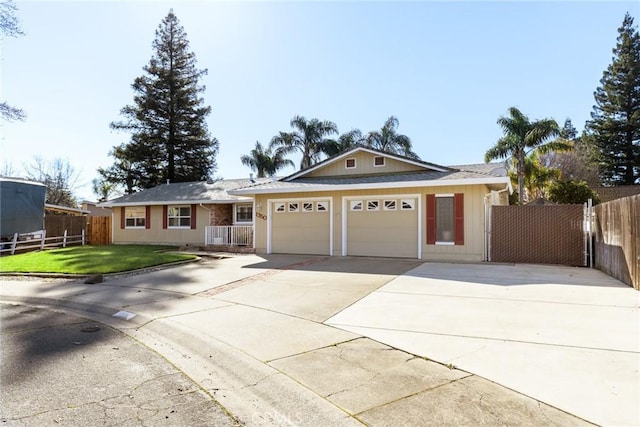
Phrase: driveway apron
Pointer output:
(568, 337)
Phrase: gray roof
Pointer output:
(454, 177)
(496, 169)
(187, 192)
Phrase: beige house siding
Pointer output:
(156, 234)
(364, 166)
(474, 220)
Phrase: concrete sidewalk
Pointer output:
(249, 331)
(569, 337)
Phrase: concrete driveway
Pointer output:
(298, 340)
(565, 336)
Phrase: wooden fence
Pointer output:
(57, 224)
(617, 239)
(99, 230)
(40, 241)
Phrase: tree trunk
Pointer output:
(521, 177)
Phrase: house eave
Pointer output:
(174, 202)
(379, 185)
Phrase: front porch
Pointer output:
(230, 238)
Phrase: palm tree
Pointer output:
(520, 137)
(264, 162)
(345, 142)
(389, 140)
(537, 177)
(309, 138)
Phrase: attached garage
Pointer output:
(300, 226)
(384, 226)
(366, 202)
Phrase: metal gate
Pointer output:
(548, 234)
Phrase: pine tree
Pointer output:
(615, 124)
(169, 135)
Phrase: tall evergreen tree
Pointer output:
(615, 120)
(169, 135)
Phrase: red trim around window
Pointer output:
(147, 217)
(458, 217)
(165, 212)
(431, 219)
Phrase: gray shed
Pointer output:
(21, 206)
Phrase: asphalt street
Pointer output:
(63, 370)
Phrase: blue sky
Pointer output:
(446, 70)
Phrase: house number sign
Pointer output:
(261, 215)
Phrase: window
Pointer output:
(307, 207)
(408, 204)
(373, 205)
(135, 217)
(445, 219)
(244, 213)
(179, 217)
(322, 206)
(350, 163)
(378, 161)
(356, 205)
(293, 206)
(389, 205)
(279, 207)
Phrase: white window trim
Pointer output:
(280, 204)
(384, 161)
(353, 203)
(346, 163)
(135, 227)
(173, 227)
(235, 214)
(303, 210)
(402, 208)
(326, 208)
(395, 205)
(377, 208)
(297, 209)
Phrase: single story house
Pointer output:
(365, 202)
(185, 213)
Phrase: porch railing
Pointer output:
(229, 235)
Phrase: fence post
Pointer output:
(83, 237)
(590, 208)
(44, 235)
(14, 243)
(64, 239)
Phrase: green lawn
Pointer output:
(90, 259)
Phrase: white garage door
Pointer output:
(300, 227)
(385, 227)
